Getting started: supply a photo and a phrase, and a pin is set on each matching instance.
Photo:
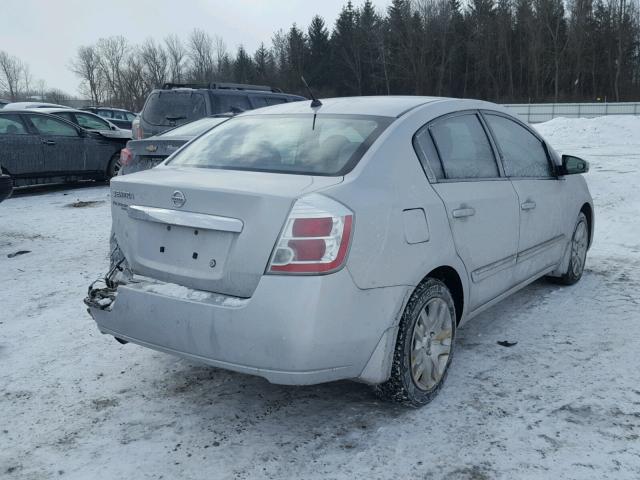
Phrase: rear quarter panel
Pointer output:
(388, 180)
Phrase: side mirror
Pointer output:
(573, 165)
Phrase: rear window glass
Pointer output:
(276, 100)
(229, 103)
(11, 125)
(195, 128)
(49, 126)
(324, 145)
(464, 148)
(174, 108)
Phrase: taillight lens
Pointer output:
(125, 156)
(136, 129)
(315, 238)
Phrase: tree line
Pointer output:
(499, 50)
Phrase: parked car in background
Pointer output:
(147, 153)
(31, 105)
(344, 241)
(89, 121)
(117, 116)
(3, 103)
(178, 103)
(37, 148)
(6, 185)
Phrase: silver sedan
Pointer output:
(347, 240)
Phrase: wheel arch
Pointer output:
(453, 281)
(587, 209)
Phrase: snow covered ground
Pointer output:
(563, 403)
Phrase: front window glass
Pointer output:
(304, 144)
(464, 148)
(524, 154)
(91, 122)
(194, 129)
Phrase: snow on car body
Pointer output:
(345, 241)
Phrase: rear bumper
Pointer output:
(293, 330)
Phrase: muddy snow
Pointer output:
(564, 402)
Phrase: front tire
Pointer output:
(113, 168)
(424, 347)
(578, 253)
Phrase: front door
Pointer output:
(62, 145)
(481, 204)
(526, 162)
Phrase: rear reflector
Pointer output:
(315, 238)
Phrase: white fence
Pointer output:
(542, 112)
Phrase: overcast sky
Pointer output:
(47, 33)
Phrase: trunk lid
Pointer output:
(216, 234)
(152, 151)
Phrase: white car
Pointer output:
(348, 240)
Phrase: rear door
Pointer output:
(481, 203)
(527, 163)
(20, 149)
(63, 146)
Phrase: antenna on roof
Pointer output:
(314, 101)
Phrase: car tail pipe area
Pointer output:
(102, 293)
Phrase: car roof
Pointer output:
(228, 91)
(108, 108)
(31, 105)
(58, 110)
(383, 106)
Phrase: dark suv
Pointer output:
(178, 103)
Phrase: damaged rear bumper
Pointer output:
(293, 330)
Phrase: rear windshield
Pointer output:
(303, 144)
(174, 107)
(194, 128)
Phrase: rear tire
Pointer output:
(113, 168)
(578, 253)
(424, 347)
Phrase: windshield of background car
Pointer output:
(194, 128)
(328, 145)
(174, 107)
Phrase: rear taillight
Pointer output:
(315, 238)
(125, 157)
(136, 129)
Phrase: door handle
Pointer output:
(463, 212)
(48, 142)
(530, 205)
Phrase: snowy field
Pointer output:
(564, 403)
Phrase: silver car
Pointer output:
(343, 241)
